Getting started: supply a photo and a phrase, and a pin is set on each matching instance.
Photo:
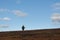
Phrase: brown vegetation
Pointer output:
(47, 34)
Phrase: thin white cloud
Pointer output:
(18, 1)
(19, 13)
(0, 18)
(56, 6)
(4, 25)
(55, 18)
(5, 19)
(4, 10)
(16, 12)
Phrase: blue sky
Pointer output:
(33, 14)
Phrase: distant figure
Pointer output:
(23, 28)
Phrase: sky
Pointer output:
(33, 14)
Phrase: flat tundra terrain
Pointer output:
(45, 34)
